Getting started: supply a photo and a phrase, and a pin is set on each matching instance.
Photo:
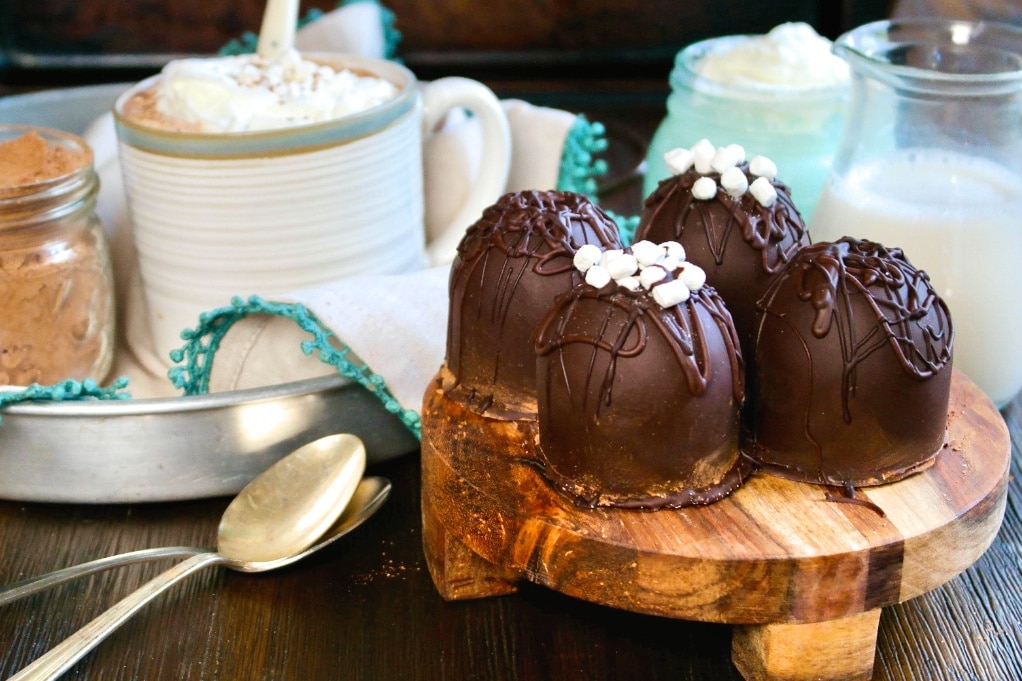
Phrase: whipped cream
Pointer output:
(249, 93)
(791, 56)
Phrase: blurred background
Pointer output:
(122, 39)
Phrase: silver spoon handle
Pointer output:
(33, 585)
(57, 660)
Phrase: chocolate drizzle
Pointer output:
(853, 374)
(511, 264)
(627, 316)
(775, 232)
(638, 404)
(899, 296)
(710, 231)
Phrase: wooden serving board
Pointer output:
(803, 578)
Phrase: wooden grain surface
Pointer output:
(773, 551)
(366, 609)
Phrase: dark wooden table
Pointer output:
(366, 608)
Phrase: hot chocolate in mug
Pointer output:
(222, 214)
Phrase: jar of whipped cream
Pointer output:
(781, 95)
(56, 289)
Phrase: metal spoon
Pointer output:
(273, 522)
(348, 445)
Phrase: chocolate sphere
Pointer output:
(511, 264)
(853, 368)
(740, 242)
(638, 404)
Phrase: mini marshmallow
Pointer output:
(651, 275)
(693, 275)
(630, 283)
(674, 249)
(734, 182)
(624, 265)
(646, 252)
(704, 189)
(587, 256)
(738, 151)
(702, 156)
(671, 293)
(679, 160)
(597, 276)
(761, 166)
(764, 191)
(610, 255)
(670, 262)
(724, 159)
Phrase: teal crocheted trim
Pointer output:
(579, 167)
(247, 42)
(65, 391)
(202, 343)
(626, 226)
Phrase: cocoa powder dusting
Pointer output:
(30, 159)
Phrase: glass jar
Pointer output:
(56, 286)
(931, 162)
(796, 127)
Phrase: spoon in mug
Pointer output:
(277, 32)
(286, 513)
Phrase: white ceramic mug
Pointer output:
(216, 215)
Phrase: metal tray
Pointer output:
(183, 447)
(169, 448)
(70, 109)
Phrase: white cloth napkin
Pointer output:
(396, 325)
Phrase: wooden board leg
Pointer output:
(836, 650)
(458, 572)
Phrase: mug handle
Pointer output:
(438, 98)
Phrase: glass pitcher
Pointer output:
(930, 161)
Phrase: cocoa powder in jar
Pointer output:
(56, 291)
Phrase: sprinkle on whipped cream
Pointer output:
(726, 162)
(249, 92)
(660, 269)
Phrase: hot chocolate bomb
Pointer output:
(510, 266)
(853, 368)
(640, 383)
(735, 220)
